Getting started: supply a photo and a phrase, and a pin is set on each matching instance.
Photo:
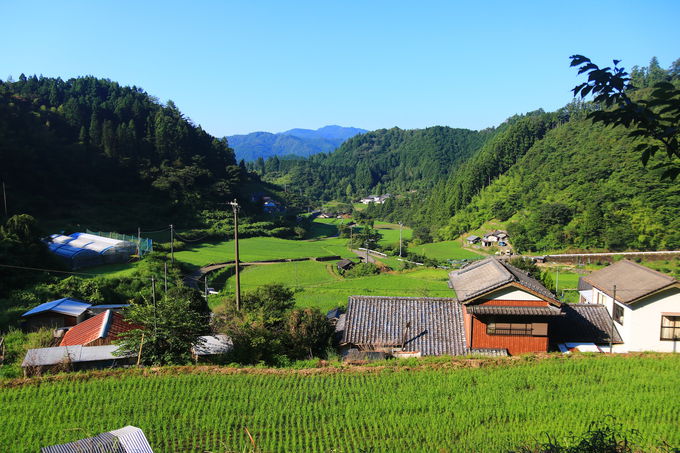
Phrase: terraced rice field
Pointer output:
(317, 284)
(390, 409)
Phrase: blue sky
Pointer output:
(238, 67)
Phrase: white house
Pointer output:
(643, 303)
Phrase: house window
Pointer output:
(670, 327)
(618, 313)
(509, 328)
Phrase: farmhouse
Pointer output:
(499, 310)
(503, 307)
(97, 331)
(57, 313)
(644, 305)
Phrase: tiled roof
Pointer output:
(583, 323)
(65, 306)
(486, 275)
(436, 324)
(633, 281)
(506, 310)
(108, 324)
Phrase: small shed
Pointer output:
(472, 239)
(55, 314)
(345, 264)
(39, 360)
(212, 345)
(129, 439)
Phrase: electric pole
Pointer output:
(611, 334)
(4, 197)
(139, 242)
(166, 277)
(172, 244)
(401, 225)
(155, 315)
(235, 207)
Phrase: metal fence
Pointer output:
(144, 245)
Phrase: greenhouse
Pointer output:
(81, 250)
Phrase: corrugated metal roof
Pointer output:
(213, 345)
(520, 311)
(587, 323)
(486, 275)
(73, 354)
(633, 281)
(65, 306)
(436, 324)
(129, 439)
(104, 325)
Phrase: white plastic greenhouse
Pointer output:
(84, 250)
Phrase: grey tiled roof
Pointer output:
(436, 324)
(633, 281)
(589, 323)
(506, 310)
(486, 275)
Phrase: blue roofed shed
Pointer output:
(57, 313)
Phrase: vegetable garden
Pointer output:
(396, 407)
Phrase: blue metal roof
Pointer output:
(65, 306)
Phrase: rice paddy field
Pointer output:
(262, 248)
(485, 405)
(317, 284)
(445, 250)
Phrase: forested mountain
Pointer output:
(295, 142)
(94, 153)
(386, 160)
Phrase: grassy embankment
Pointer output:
(442, 405)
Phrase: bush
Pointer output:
(362, 270)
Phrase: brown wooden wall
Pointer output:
(515, 344)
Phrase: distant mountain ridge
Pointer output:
(295, 142)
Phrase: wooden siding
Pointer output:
(515, 344)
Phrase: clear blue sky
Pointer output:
(238, 67)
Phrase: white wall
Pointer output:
(641, 328)
(511, 294)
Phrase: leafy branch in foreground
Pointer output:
(656, 118)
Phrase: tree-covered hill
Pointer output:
(295, 142)
(89, 151)
(386, 160)
(583, 186)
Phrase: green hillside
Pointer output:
(89, 151)
(582, 186)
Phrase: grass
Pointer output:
(445, 250)
(317, 284)
(262, 248)
(390, 232)
(447, 406)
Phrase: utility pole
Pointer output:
(611, 334)
(166, 277)
(401, 225)
(172, 244)
(367, 252)
(4, 197)
(235, 207)
(557, 281)
(155, 314)
(139, 242)
(205, 281)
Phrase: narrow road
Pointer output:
(362, 254)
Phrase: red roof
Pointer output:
(108, 325)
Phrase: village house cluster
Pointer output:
(494, 309)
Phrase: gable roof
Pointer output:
(633, 281)
(484, 276)
(588, 323)
(65, 306)
(436, 324)
(106, 324)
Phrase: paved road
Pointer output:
(362, 254)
